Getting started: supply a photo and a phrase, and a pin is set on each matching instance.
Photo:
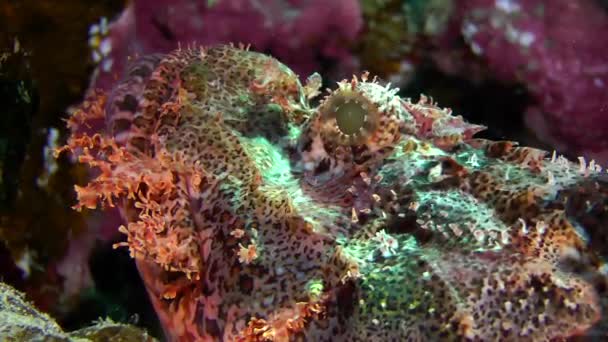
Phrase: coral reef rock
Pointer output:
(22, 322)
(304, 34)
(551, 48)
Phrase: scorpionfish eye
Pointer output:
(355, 125)
(350, 117)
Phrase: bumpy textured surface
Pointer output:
(254, 216)
(21, 321)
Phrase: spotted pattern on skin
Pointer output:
(256, 216)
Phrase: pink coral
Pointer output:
(301, 33)
(554, 48)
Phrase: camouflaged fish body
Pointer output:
(254, 216)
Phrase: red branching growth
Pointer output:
(285, 324)
(92, 109)
(156, 188)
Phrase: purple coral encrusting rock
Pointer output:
(554, 48)
(303, 34)
(255, 216)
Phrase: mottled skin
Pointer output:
(254, 216)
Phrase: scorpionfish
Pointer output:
(259, 208)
